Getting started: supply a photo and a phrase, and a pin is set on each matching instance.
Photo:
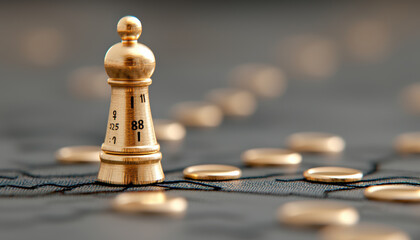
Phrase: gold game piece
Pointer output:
(408, 143)
(78, 154)
(394, 192)
(317, 213)
(363, 231)
(168, 130)
(315, 142)
(130, 153)
(198, 114)
(212, 172)
(333, 174)
(264, 81)
(270, 157)
(234, 102)
(149, 203)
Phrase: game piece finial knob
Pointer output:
(129, 28)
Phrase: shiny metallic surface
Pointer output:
(130, 152)
(168, 130)
(316, 142)
(212, 172)
(333, 174)
(234, 102)
(270, 157)
(78, 154)
(149, 203)
(394, 192)
(317, 213)
(408, 143)
(198, 114)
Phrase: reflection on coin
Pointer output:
(168, 130)
(149, 202)
(270, 157)
(394, 192)
(234, 102)
(309, 56)
(316, 142)
(363, 232)
(317, 213)
(333, 174)
(78, 154)
(198, 114)
(263, 80)
(89, 82)
(212, 172)
(408, 143)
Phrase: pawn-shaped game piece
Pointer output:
(130, 153)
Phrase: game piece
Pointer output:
(168, 130)
(234, 102)
(317, 214)
(264, 81)
(156, 202)
(333, 174)
(315, 142)
(363, 231)
(309, 56)
(393, 192)
(78, 154)
(270, 157)
(88, 82)
(408, 143)
(198, 114)
(212, 172)
(130, 153)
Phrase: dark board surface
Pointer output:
(196, 45)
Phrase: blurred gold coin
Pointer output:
(78, 154)
(263, 80)
(89, 82)
(168, 130)
(410, 97)
(394, 192)
(316, 142)
(309, 56)
(368, 40)
(198, 114)
(363, 232)
(149, 202)
(317, 213)
(212, 172)
(270, 157)
(333, 174)
(234, 102)
(408, 143)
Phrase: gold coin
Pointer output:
(394, 192)
(317, 213)
(270, 157)
(149, 202)
(410, 97)
(212, 172)
(363, 232)
(234, 102)
(333, 174)
(263, 80)
(168, 130)
(198, 114)
(315, 142)
(78, 154)
(408, 143)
